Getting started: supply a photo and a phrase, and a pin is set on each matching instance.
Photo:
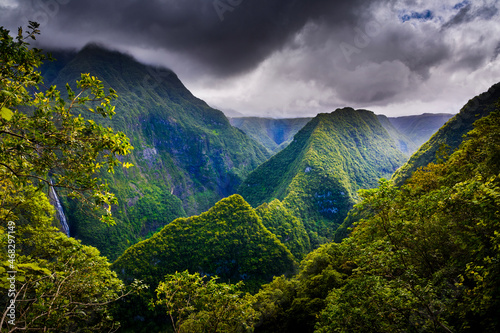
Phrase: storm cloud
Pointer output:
(296, 57)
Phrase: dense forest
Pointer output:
(419, 252)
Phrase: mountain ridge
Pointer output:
(318, 174)
(450, 136)
(187, 156)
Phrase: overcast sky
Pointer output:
(288, 58)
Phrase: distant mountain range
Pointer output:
(420, 128)
(409, 132)
(274, 134)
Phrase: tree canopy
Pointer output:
(45, 136)
(48, 281)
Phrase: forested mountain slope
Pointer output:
(449, 137)
(420, 128)
(231, 240)
(318, 174)
(186, 155)
(228, 240)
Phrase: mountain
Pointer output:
(287, 227)
(421, 127)
(404, 143)
(414, 243)
(318, 174)
(187, 156)
(228, 240)
(274, 134)
(451, 135)
(409, 132)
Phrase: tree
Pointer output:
(292, 305)
(195, 304)
(428, 254)
(42, 135)
(60, 284)
(50, 282)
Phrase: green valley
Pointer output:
(274, 134)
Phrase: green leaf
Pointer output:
(6, 113)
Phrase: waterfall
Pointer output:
(59, 210)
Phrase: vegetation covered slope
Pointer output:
(288, 228)
(50, 282)
(403, 142)
(186, 155)
(420, 128)
(274, 134)
(451, 134)
(425, 259)
(318, 174)
(229, 240)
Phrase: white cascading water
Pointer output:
(59, 210)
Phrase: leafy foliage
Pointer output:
(50, 140)
(60, 285)
(292, 305)
(429, 256)
(424, 257)
(197, 305)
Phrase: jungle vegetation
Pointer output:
(422, 254)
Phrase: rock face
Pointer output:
(318, 174)
(450, 136)
(186, 155)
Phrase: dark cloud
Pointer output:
(467, 14)
(228, 36)
(496, 52)
(462, 16)
(285, 56)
